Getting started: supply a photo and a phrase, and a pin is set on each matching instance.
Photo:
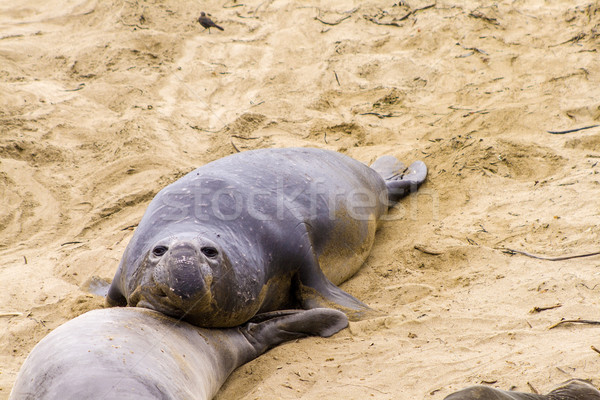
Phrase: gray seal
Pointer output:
(574, 389)
(260, 231)
(136, 353)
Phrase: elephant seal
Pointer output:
(136, 353)
(259, 231)
(574, 389)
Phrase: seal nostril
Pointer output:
(210, 252)
(159, 251)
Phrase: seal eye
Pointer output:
(159, 250)
(210, 252)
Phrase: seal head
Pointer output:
(189, 276)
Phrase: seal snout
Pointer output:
(182, 271)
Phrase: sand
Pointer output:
(103, 103)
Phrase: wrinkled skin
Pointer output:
(570, 390)
(136, 353)
(259, 231)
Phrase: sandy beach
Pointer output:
(102, 104)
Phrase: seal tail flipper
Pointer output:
(399, 179)
(282, 326)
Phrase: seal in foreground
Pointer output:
(135, 353)
(259, 231)
(573, 389)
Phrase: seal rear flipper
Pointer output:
(399, 179)
(279, 327)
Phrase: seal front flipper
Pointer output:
(279, 327)
(316, 291)
(115, 296)
(400, 181)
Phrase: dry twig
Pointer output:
(574, 39)
(11, 314)
(572, 130)
(244, 138)
(335, 22)
(427, 251)
(512, 252)
(533, 389)
(226, 5)
(380, 116)
(537, 309)
(74, 242)
(480, 15)
(234, 146)
(574, 321)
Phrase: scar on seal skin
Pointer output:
(136, 353)
(574, 389)
(260, 231)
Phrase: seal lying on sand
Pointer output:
(573, 389)
(136, 353)
(259, 231)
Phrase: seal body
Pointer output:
(259, 231)
(573, 389)
(136, 353)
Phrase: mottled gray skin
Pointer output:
(574, 389)
(136, 353)
(259, 231)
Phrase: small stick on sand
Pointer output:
(574, 39)
(574, 321)
(11, 314)
(380, 116)
(335, 22)
(66, 243)
(480, 15)
(537, 309)
(533, 389)
(244, 138)
(426, 251)
(234, 146)
(489, 381)
(595, 349)
(572, 130)
(226, 5)
(132, 25)
(375, 21)
(511, 251)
